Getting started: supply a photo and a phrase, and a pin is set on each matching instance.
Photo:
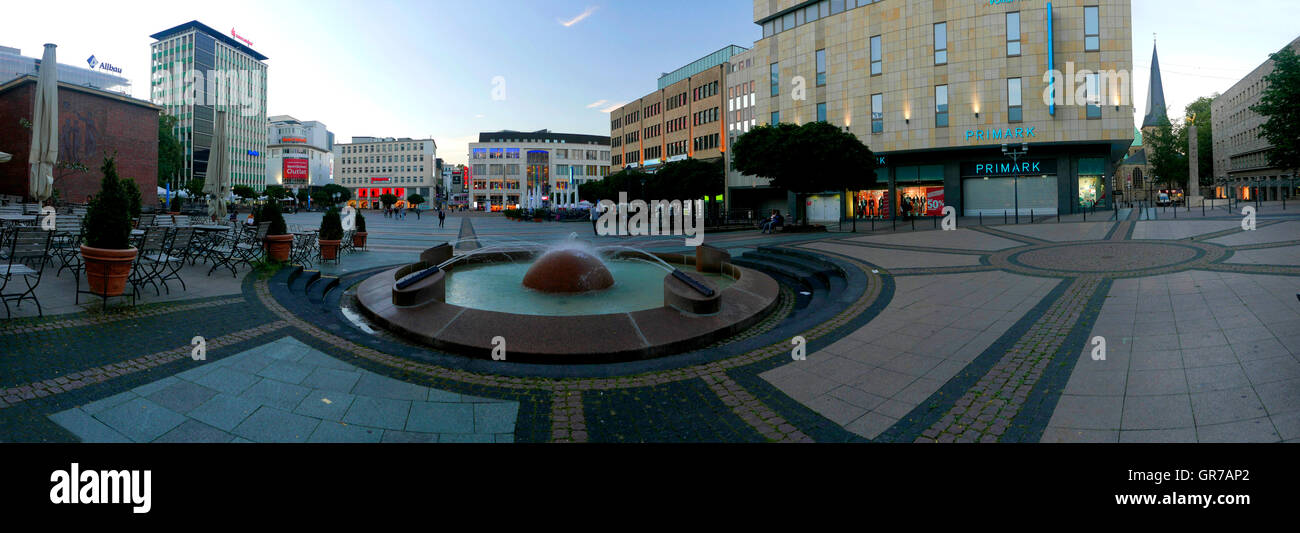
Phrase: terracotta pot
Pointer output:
(359, 239)
(278, 247)
(329, 249)
(107, 270)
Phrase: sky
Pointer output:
(431, 68)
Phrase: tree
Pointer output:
(687, 179)
(194, 187)
(276, 192)
(303, 195)
(170, 159)
(1280, 105)
(629, 180)
(388, 199)
(1168, 159)
(244, 191)
(812, 158)
(1200, 108)
(415, 199)
(131, 192)
(344, 194)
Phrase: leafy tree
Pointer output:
(244, 191)
(1204, 137)
(331, 225)
(1168, 158)
(276, 192)
(415, 199)
(631, 181)
(330, 190)
(170, 158)
(812, 158)
(194, 187)
(388, 199)
(1280, 105)
(303, 195)
(108, 220)
(687, 179)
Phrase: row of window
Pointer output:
(632, 117)
(812, 13)
(392, 179)
(706, 116)
(652, 110)
(632, 137)
(651, 131)
(652, 152)
(706, 90)
(676, 101)
(675, 124)
(707, 142)
(513, 153)
(367, 170)
(409, 158)
(677, 148)
(388, 147)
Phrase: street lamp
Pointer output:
(1015, 156)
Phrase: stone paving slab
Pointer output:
(960, 238)
(1052, 231)
(1285, 231)
(1180, 229)
(1285, 255)
(890, 258)
(286, 391)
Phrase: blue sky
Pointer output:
(426, 68)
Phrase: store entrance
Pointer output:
(921, 200)
(870, 204)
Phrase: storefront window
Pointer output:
(1092, 184)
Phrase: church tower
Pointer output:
(1156, 108)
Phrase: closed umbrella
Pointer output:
(45, 127)
(217, 184)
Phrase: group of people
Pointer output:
(399, 213)
(772, 222)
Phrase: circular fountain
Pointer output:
(567, 303)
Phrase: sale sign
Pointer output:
(295, 170)
(934, 201)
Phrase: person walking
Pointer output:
(594, 215)
(442, 217)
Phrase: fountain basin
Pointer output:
(679, 322)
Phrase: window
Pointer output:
(776, 118)
(775, 74)
(1093, 105)
(821, 67)
(1091, 29)
(1015, 111)
(940, 43)
(941, 106)
(1013, 34)
(821, 112)
(875, 56)
(877, 113)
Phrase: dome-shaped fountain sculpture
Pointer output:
(568, 270)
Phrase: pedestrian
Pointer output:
(442, 216)
(594, 215)
(417, 212)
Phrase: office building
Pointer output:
(1241, 168)
(374, 166)
(299, 154)
(541, 168)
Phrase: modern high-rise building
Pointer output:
(685, 117)
(519, 168)
(1241, 168)
(936, 89)
(298, 154)
(198, 71)
(100, 74)
(374, 166)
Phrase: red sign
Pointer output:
(237, 36)
(378, 180)
(295, 169)
(293, 140)
(934, 201)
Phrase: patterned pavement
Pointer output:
(981, 334)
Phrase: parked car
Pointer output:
(1164, 200)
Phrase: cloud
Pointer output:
(612, 107)
(597, 103)
(577, 19)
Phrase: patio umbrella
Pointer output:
(4, 158)
(45, 128)
(217, 184)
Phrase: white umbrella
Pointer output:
(217, 183)
(45, 128)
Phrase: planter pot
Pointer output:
(278, 247)
(329, 249)
(107, 270)
(359, 239)
(537, 220)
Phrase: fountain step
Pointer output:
(805, 288)
(303, 281)
(317, 291)
(806, 257)
(822, 273)
(286, 275)
(812, 278)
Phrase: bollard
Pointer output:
(981, 217)
(1004, 217)
(1202, 207)
(1085, 215)
(935, 220)
(1031, 216)
(913, 223)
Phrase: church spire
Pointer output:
(1156, 108)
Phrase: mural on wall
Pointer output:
(77, 143)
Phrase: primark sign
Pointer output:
(998, 134)
(1029, 167)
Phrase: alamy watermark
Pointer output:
(659, 217)
(1091, 87)
(228, 89)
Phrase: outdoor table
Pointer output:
(17, 219)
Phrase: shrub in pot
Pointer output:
(107, 252)
(359, 236)
(331, 234)
(278, 240)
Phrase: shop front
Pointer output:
(1093, 193)
(1026, 187)
(919, 190)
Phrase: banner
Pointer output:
(295, 169)
(934, 201)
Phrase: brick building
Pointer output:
(92, 123)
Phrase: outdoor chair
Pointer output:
(165, 221)
(346, 244)
(145, 270)
(28, 252)
(305, 249)
(145, 221)
(66, 244)
(31, 209)
(168, 262)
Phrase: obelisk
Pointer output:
(1193, 195)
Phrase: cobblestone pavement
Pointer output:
(980, 334)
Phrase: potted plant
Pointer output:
(278, 240)
(359, 236)
(331, 234)
(107, 252)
